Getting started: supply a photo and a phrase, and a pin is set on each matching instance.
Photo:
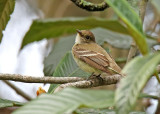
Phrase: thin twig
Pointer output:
(132, 51)
(90, 6)
(18, 91)
(31, 79)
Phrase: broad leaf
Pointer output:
(6, 9)
(138, 72)
(67, 100)
(8, 103)
(59, 50)
(133, 22)
(66, 67)
(51, 28)
(100, 111)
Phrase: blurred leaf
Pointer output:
(156, 5)
(133, 22)
(6, 9)
(100, 111)
(67, 100)
(138, 71)
(49, 28)
(134, 5)
(8, 103)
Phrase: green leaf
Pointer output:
(8, 103)
(67, 100)
(156, 5)
(6, 9)
(67, 67)
(59, 50)
(51, 28)
(133, 22)
(138, 72)
(100, 111)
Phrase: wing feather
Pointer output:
(94, 59)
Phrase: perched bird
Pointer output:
(91, 57)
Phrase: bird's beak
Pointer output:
(79, 32)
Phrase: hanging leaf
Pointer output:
(67, 100)
(138, 72)
(6, 9)
(133, 22)
(51, 28)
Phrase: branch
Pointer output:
(90, 6)
(18, 91)
(106, 80)
(31, 79)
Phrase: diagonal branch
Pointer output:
(17, 90)
(90, 6)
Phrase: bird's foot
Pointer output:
(93, 76)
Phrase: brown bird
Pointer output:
(91, 57)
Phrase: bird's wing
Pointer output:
(94, 59)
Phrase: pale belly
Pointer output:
(87, 68)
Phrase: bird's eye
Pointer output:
(87, 37)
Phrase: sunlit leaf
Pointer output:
(67, 100)
(8, 103)
(6, 9)
(51, 28)
(133, 22)
(138, 71)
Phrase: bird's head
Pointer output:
(84, 36)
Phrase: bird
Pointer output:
(91, 57)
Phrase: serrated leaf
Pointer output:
(51, 28)
(138, 72)
(8, 103)
(67, 100)
(133, 22)
(6, 9)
